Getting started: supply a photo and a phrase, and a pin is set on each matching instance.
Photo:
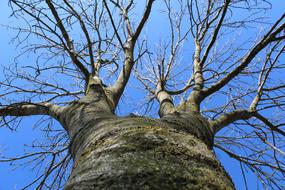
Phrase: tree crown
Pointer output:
(218, 58)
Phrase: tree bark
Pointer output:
(110, 152)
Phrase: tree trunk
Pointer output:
(110, 152)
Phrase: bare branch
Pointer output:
(268, 38)
(268, 123)
(70, 46)
(87, 36)
(229, 118)
(216, 32)
(123, 78)
(27, 109)
(143, 20)
(113, 24)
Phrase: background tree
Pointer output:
(209, 81)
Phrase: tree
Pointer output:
(229, 94)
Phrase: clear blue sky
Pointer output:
(12, 143)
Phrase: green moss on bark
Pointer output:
(142, 153)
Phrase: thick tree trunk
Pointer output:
(140, 153)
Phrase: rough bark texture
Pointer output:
(110, 152)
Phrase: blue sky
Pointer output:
(12, 143)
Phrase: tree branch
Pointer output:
(70, 47)
(120, 84)
(87, 36)
(268, 123)
(28, 109)
(216, 32)
(143, 20)
(266, 72)
(229, 118)
(268, 38)
(113, 24)
(165, 100)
